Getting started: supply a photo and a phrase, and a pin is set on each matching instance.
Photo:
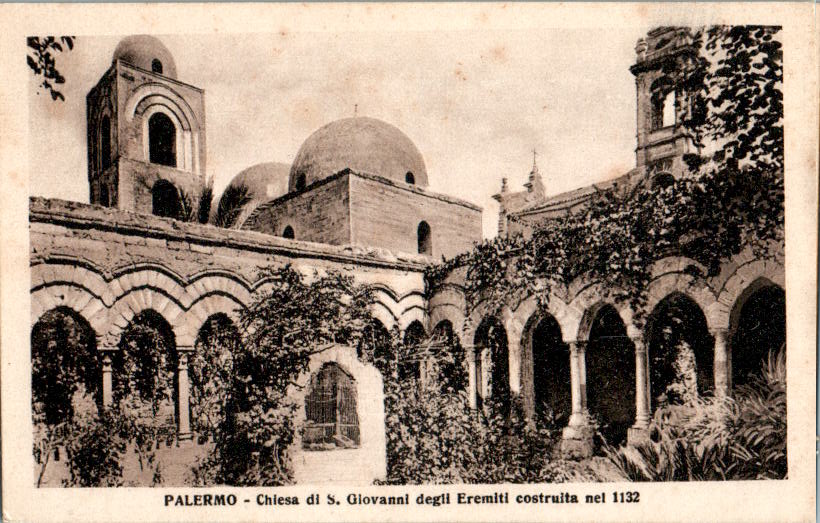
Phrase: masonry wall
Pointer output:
(107, 264)
(318, 214)
(136, 175)
(388, 215)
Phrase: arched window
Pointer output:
(105, 143)
(288, 233)
(156, 66)
(409, 178)
(162, 140)
(330, 409)
(300, 181)
(424, 239)
(166, 200)
(663, 109)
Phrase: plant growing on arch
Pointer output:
(296, 317)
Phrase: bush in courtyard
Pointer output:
(716, 438)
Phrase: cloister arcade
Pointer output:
(584, 355)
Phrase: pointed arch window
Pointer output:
(162, 133)
(410, 178)
(288, 233)
(156, 66)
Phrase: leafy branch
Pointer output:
(41, 60)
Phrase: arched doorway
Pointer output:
(610, 364)
(551, 390)
(491, 348)
(681, 359)
(210, 371)
(166, 200)
(64, 362)
(758, 328)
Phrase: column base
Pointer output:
(185, 439)
(576, 442)
(637, 436)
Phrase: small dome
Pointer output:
(361, 144)
(146, 52)
(264, 180)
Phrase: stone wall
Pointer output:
(320, 213)
(387, 214)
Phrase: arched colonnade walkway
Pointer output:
(584, 357)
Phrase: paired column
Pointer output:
(722, 363)
(577, 435)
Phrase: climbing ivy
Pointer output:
(731, 199)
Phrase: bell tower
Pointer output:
(662, 140)
(146, 133)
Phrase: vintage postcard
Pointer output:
(408, 262)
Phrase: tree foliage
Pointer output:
(732, 198)
(230, 206)
(41, 61)
(294, 319)
(716, 438)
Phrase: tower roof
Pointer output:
(142, 50)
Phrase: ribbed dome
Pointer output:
(361, 144)
(142, 50)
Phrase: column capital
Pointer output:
(719, 332)
(639, 342)
(578, 346)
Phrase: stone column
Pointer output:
(107, 382)
(577, 369)
(577, 436)
(472, 385)
(722, 366)
(183, 391)
(639, 433)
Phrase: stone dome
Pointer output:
(264, 180)
(142, 50)
(361, 144)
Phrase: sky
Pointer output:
(476, 103)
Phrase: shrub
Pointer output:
(716, 438)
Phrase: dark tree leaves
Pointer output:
(41, 60)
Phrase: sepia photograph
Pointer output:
(469, 258)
